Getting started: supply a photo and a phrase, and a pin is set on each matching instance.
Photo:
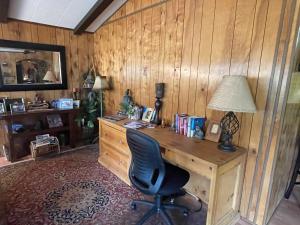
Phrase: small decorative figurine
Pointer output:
(199, 133)
(126, 102)
(127, 99)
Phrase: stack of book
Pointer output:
(189, 125)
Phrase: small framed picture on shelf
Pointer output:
(54, 121)
(147, 115)
(2, 108)
(10, 101)
(213, 132)
(2, 100)
(17, 107)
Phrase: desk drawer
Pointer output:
(120, 159)
(116, 162)
(115, 138)
(188, 162)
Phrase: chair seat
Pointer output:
(174, 180)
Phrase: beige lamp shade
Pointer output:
(100, 83)
(233, 94)
(49, 76)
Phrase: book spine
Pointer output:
(192, 127)
(189, 127)
(185, 126)
(181, 126)
(177, 123)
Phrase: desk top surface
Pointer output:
(203, 149)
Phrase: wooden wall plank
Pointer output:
(155, 52)
(178, 55)
(137, 54)
(111, 64)
(193, 88)
(169, 57)
(162, 42)
(120, 60)
(146, 57)
(207, 30)
(74, 71)
(130, 55)
(123, 59)
(115, 66)
(187, 48)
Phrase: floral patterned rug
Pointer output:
(72, 188)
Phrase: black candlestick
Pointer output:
(159, 91)
(155, 119)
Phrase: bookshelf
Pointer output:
(17, 145)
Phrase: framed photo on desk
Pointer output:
(147, 115)
(213, 132)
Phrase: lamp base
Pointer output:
(227, 147)
(230, 126)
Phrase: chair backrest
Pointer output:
(147, 169)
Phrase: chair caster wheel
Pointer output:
(185, 213)
(133, 206)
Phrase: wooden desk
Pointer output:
(216, 176)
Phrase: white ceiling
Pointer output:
(61, 13)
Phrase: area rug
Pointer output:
(72, 188)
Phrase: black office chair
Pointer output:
(151, 175)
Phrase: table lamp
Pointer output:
(100, 84)
(232, 95)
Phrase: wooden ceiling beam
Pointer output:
(93, 13)
(3, 10)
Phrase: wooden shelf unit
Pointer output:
(17, 144)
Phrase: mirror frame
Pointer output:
(42, 47)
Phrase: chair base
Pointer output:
(158, 207)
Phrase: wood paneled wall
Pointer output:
(286, 156)
(79, 52)
(190, 45)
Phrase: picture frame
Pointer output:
(147, 115)
(213, 131)
(54, 120)
(8, 101)
(17, 108)
(2, 108)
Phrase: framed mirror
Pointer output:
(28, 66)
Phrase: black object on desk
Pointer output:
(151, 175)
